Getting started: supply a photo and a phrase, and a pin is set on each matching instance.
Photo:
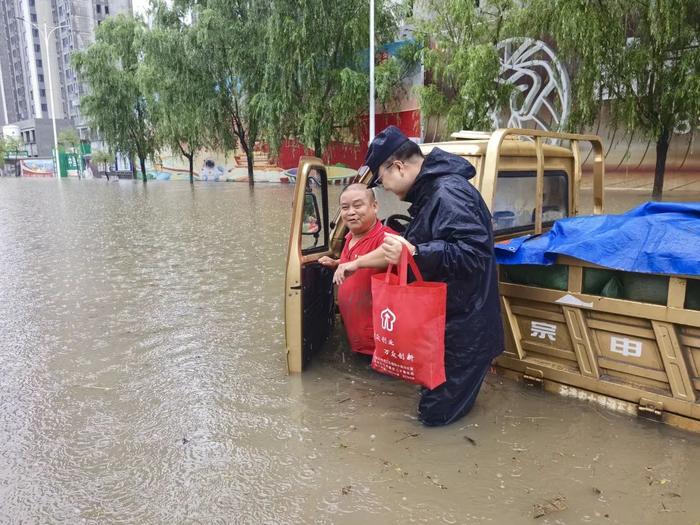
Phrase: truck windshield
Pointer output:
(515, 199)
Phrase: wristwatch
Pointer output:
(415, 250)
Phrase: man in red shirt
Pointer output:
(358, 209)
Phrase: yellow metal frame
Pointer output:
(486, 184)
(295, 260)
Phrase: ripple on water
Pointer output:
(143, 381)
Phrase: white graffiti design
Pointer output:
(541, 98)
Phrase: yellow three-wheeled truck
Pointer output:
(637, 350)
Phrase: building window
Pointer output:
(106, 9)
(44, 108)
(42, 92)
(41, 78)
(37, 48)
(35, 33)
(39, 63)
(98, 8)
(33, 17)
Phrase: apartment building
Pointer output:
(27, 62)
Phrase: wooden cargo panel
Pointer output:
(651, 360)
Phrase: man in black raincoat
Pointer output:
(451, 239)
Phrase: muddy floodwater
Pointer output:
(143, 381)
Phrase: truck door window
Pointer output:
(515, 199)
(314, 229)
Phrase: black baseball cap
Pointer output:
(381, 148)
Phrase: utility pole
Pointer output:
(47, 32)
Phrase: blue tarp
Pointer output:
(656, 237)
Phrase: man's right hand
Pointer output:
(344, 271)
(328, 262)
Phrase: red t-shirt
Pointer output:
(355, 294)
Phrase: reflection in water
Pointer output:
(143, 381)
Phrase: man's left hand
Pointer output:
(392, 246)
(344, 271)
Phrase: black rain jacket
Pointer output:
(451, 227)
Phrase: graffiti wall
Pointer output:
(542, 100)
(37, 168)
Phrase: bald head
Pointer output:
(358, 186)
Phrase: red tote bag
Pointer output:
(409, 325)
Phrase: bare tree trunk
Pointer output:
(662, 143)
(191, 159)
(318, 151)
(142, 161)
(250, 157)
(133, 167)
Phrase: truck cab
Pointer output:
(529, 179)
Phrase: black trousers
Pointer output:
(455, 397)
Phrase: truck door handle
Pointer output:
(295, 287)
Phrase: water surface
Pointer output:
(143, 381)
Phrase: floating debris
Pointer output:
(554, 505)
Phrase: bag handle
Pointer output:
(405, 261)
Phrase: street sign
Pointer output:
(17, 154)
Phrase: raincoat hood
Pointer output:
(438, 163)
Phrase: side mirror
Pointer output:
(312, 217)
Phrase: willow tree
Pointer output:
(180, 90)
(69, 138)
(461, 61)
(102, 158)
(642, 57)
(115, 104)
(9, 146)
(228, 47)
(316, 67)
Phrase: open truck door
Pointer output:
(309, 305)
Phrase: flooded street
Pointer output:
(143, 381)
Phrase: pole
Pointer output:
(53, 109)
(371, 71)
(48, 65)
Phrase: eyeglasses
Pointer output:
(362, 171)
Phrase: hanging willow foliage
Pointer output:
(640, 57)
(461, 61)
(115, 104)
(316, 76)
